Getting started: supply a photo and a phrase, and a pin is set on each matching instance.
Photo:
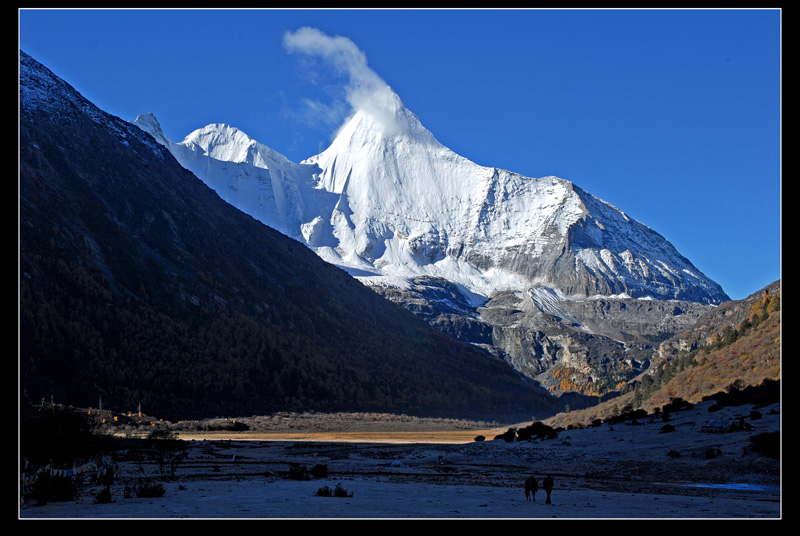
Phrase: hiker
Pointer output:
(108, 476)
(547, 484)
(531, 487)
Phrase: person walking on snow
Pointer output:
(547, 484)
(531, 487)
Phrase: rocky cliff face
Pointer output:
(587, 346)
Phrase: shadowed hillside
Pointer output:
(140, 286)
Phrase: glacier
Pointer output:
(388, 203)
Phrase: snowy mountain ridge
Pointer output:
(387, 202)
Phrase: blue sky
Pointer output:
(673, 116)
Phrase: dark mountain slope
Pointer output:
(139, 285)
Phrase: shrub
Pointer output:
(538, 429)
(63, 488)
(298, 471)
(104, 497)
(667, 428)
(319, 471)
(338, 491)
(41, 489)
(677, 404)
(627, 416)
(168, 452)
(148, 489)
(229, 426)
(737, 394)
(767, 443)
(480, 438)
(57, 435)
(509, 435)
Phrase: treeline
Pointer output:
(80, 343)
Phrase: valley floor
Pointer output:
(624, 471)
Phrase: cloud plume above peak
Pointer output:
(341, 53)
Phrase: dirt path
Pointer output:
(438, 437)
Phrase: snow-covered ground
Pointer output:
(286, 499)
(621, 471)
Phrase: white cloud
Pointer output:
(342, 54)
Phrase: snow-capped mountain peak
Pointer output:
(387, 201)
(249, 175)
(383, 113)
(226, 143)
(149, 123)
